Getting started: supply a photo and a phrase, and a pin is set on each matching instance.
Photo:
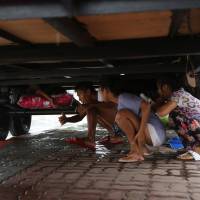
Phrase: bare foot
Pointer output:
(90, 143)
(132, 158)
(130, 152)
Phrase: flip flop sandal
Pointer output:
(195, 155)
(144, 154)
(129, 159)
(108, 140)
(185, 156)
(80, 142)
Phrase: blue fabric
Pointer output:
(175, 143)
(117, 130)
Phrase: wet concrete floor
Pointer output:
(44, 166)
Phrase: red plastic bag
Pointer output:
(38, 102)
(62, 99)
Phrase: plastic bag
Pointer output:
(38, 102)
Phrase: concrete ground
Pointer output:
(45, 167)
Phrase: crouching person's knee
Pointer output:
(121, 114)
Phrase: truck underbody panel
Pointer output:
(65, 42)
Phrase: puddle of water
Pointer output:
(49, 124)
(102, 150)
(41, 123)
(44, 128)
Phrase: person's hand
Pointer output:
(138, 136)
(139, 140)
(62, 119)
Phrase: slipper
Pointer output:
(185, 156)
(108, 140)
(80, 142)
(129, 159)
(144, 154)
(195, 155)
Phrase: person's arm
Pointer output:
(145, 112)
(37, 90)
(76, 118)
(166, 108)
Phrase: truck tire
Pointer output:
(4, 125)
(20, 124)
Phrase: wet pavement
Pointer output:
(45, 167)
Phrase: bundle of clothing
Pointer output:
(39, 102)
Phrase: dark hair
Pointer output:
(173, 82)
(113, 83)
(85, 86)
